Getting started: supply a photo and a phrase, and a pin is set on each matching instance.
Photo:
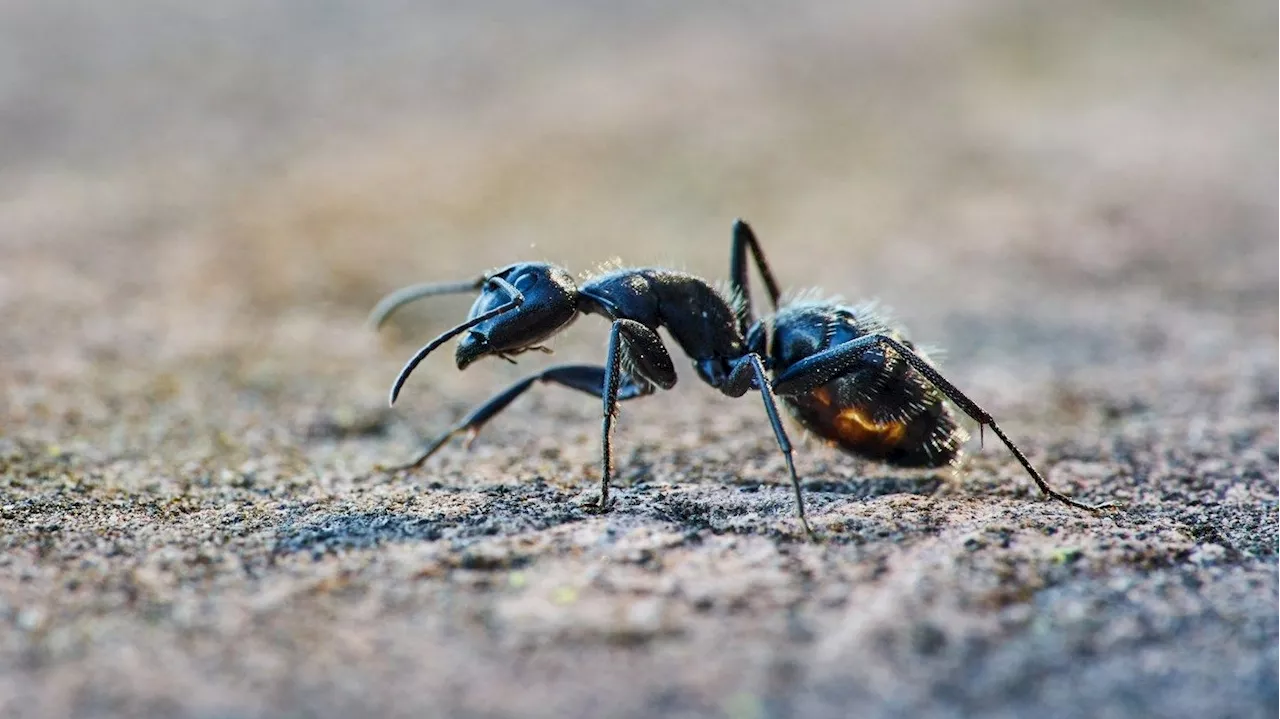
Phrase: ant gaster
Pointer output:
(841, 371)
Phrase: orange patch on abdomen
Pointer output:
(855, 428)
(849, 427)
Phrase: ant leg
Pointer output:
(584, 378)
(649, 360)
(517, 299)
(815, 371)
(744, 239)
(740, 380)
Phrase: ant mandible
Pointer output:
(843, 372)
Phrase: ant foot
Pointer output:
(593, 504)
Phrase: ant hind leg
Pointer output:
(825, 366)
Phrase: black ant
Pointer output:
(842, 371)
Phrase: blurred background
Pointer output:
(227, 187)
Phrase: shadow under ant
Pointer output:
(537, 505)
(877, 486)
(510, 509)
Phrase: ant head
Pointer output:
(544, 301)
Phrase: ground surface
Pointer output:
(198, 206)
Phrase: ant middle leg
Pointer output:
(749, 373)
(584, 378)
(813, 372)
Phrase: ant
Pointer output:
(843, 372)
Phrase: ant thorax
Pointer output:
(698, 317)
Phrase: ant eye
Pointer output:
(524, 282)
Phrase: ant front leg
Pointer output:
(748, 373)
(813, 372)
(648, 358)
(584, 378)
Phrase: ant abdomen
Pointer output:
(878, 406)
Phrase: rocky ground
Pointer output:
(197, 207)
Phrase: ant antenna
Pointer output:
(517, 299)
(403, 296)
